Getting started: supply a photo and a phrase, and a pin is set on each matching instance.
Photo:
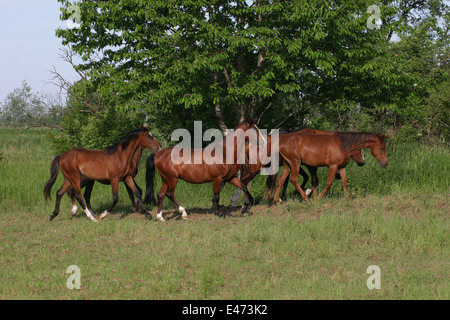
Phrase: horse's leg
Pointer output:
(136, 202)
(71, 194)
(217, 184)
(87, 193)
(134, 207)
(161, 196)
(314, 181)
(248, 197)
(66, 185)
(280, 182)
(171, 195)
(245, 181)
(343, 175)
(285, 185)
(129, 182)
(305, 178)
(331, 172)
(79, 197)
(115, 191)
(236, 197)
(294, 179)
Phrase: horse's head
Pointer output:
(378, 150)
(251, 124)
(358, 157)
(146, 140)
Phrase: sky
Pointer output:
(29, 47)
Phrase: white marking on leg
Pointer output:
(104, 214)
(183, 212)
(89, 215)
(74, 210)
(159, 216)
(308, 191)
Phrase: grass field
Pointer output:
(398, 220)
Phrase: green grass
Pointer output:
(398, 220)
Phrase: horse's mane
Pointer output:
(124, 141)
(350, 139)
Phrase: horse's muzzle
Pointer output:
(360, 163)
(383, 164)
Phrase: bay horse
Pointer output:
(249, 171)
(89, 184)
(333, 151)
(110, 165)
(216, 172)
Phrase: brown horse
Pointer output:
(333, 151)
(217, 172)
(89, 184)
(110, 165)
(249, 171)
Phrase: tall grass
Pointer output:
(398, 220)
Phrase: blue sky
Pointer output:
(29, 47)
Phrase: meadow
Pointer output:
(398, 220)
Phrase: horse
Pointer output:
(89, 184)
(217, 172)
(110, 165)
(251, 170)
(150, 180)
(333, 151)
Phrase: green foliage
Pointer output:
(84, 128)
(232, 57)
(294, 64)
(24, 108)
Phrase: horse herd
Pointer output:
(119, 162)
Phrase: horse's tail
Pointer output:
(54, 168)
(270, 185)
(150, 180)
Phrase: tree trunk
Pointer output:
(218, 111)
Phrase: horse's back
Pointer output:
(186, 167)
(93, 164)
(312, 149)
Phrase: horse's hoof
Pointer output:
(149, 216)
(52, 217)
(184, 217)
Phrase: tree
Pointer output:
(295, 63)
(231, 57)
(23, 108)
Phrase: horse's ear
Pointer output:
(250, 121)
(384, 137)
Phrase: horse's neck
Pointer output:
(137, 156)
(357, 141)
(129, 153)
(233, 146)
